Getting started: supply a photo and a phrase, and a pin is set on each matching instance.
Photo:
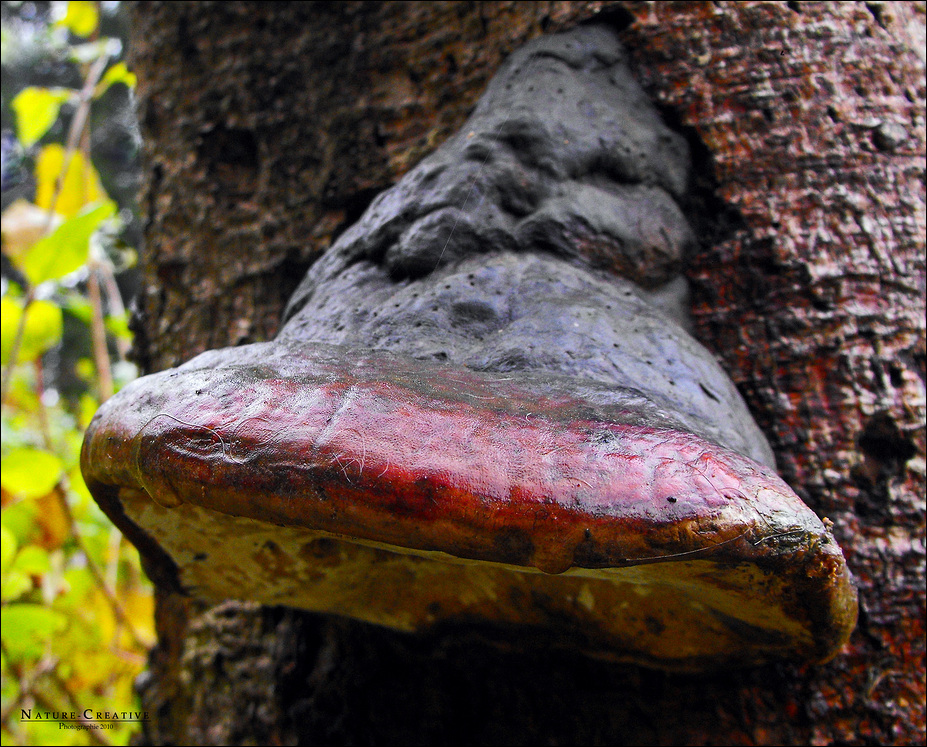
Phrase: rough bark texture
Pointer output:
(269, 127)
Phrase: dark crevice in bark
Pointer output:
(712, 219)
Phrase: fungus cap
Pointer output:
(416, 495)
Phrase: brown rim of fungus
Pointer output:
(413, 494)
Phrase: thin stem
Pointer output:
(76, 131)
(115, 303)
(26, 679)
(98, 334)
(75, 135)
(61, 491)
(95, 735)
(14, 349)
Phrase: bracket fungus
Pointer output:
(582, 466)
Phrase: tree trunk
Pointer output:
(269, 127)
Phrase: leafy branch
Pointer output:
(76, 608)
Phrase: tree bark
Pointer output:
(269, 127)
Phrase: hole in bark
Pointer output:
(885, 449)
(895, 376)
(232, 155)
(617, 17)
(713, 221)
(876, 10)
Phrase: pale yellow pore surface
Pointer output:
(680, 615)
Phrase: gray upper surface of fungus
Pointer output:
(502, 250)
(563, 154)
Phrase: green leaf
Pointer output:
(27, 628)
(81, 18)
(77, 306)
(19, 520)
(36, 111)
(86, 408)
(118, 73)
(32, 560)
(67, 248)
(8, 551)
(14, 585)
(15, 581)
(23, 225)
(30, 473)
(42, 332)
(118, 325)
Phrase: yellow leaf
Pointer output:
(36, 111)
(82, 17)
(80, 186)
(42, 332)
(52, 522)
(30, 473)
(76, 479)
(118, 73)
(138, 604)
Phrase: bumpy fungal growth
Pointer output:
(564, 155)
(469, 417)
